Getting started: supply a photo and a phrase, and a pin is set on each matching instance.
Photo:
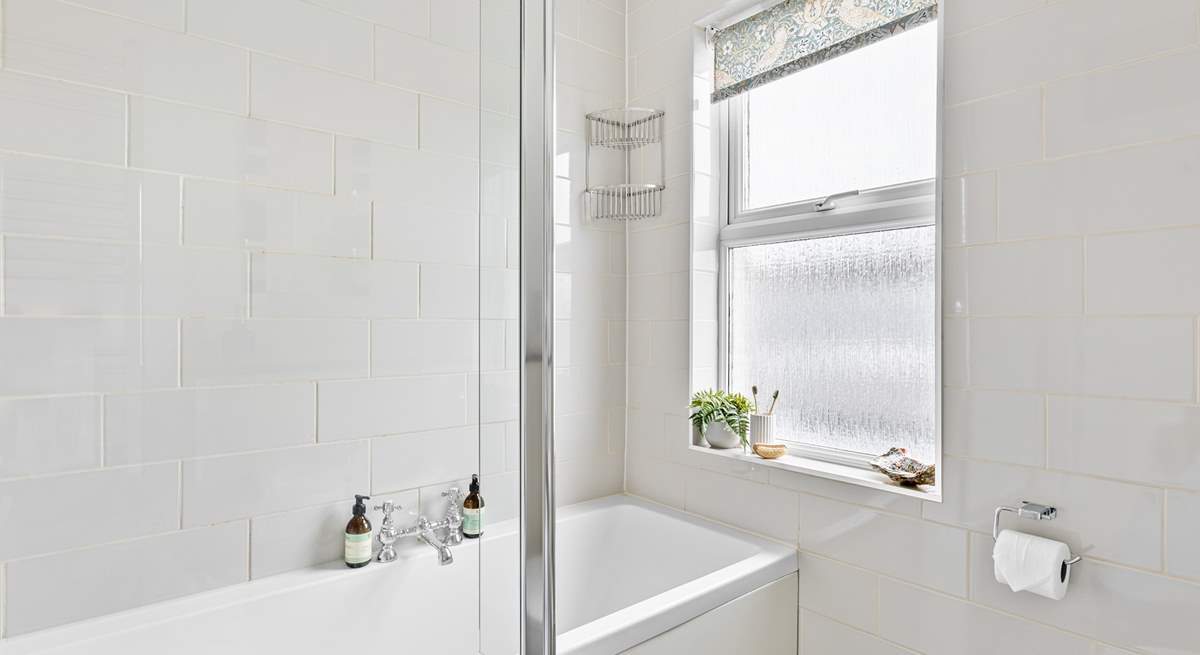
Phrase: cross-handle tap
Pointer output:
(388, 534)
(454, 516)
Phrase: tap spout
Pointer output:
(429, 536)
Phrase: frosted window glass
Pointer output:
(843, 326)
(864, 120)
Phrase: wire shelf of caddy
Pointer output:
(627, 130)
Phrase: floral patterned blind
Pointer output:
(796, 34)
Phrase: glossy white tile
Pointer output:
(446, 72)
(1143, 101)
(130, 573)
(842, 592)
(967, 14)
(413, 233)
(49, 435)
(70, 355)
(1085, 505)
(1183, 533)
(421, 459)
(54, 277)
(449, 291)
(185, 423)
(449, 127)
(313, 535)
(124, 503)
(313, 35)
(309, 97)
(1002, 426)
(179, 138)
(218, 352)
(822, 636)
(373, 171)
(1141, 189)
(230, 487)
(302, 286)
(935, 555)
(47, 197)
(421, 347)
(1102, 33)
(1116, 604)
(748, 505)
(368, 408)
(1027, 278)
(411, 16)
(969, 209)
(259, 218)
(71, 43)
(939, 625)
(455, 23)
(993, 132)
(164, 13)
(1146, 273)
(46, 117)
(1133, 357)
(1093, 435)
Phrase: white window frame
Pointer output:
(871, 210)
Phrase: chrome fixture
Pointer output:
(830, 201)
(441, 535)
(1028, 510)
(625, 129)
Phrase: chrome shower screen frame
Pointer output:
(537, 328)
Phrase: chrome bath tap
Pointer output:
(441, 535)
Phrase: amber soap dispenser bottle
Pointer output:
(358, 536)
(473, 512)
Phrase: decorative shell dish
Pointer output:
(770, 450)
(902, 469)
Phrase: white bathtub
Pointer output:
(628, 571)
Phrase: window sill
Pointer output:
(827, 470)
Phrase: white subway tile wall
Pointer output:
(1070, 338)
(240, 273)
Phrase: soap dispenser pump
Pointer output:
(358, 536)
(472, 527)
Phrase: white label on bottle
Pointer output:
(473, 521)
(358, 548)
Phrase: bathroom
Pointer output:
(580, 253)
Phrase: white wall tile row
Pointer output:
(242, 278)
(1069, 343)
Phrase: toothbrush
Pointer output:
(774, 397)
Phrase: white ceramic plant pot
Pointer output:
(762, 428)
(720, 436)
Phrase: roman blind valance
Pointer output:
(796, 34)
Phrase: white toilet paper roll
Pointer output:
(1026, 562)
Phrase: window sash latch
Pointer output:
(829, 201)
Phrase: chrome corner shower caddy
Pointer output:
(629, 130)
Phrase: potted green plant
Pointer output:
(721, 418)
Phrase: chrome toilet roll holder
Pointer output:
(1028, 510)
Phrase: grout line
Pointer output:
(1163, 536)
(249, 287)
(179, 492)
(316, 411)
(249, 547)
(3, 599)
(128, 129)
(249, 86)
(1046, 431)
(3, 257)
(372, 67)
(178, 353)
(1042, 93)
(103, 428)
